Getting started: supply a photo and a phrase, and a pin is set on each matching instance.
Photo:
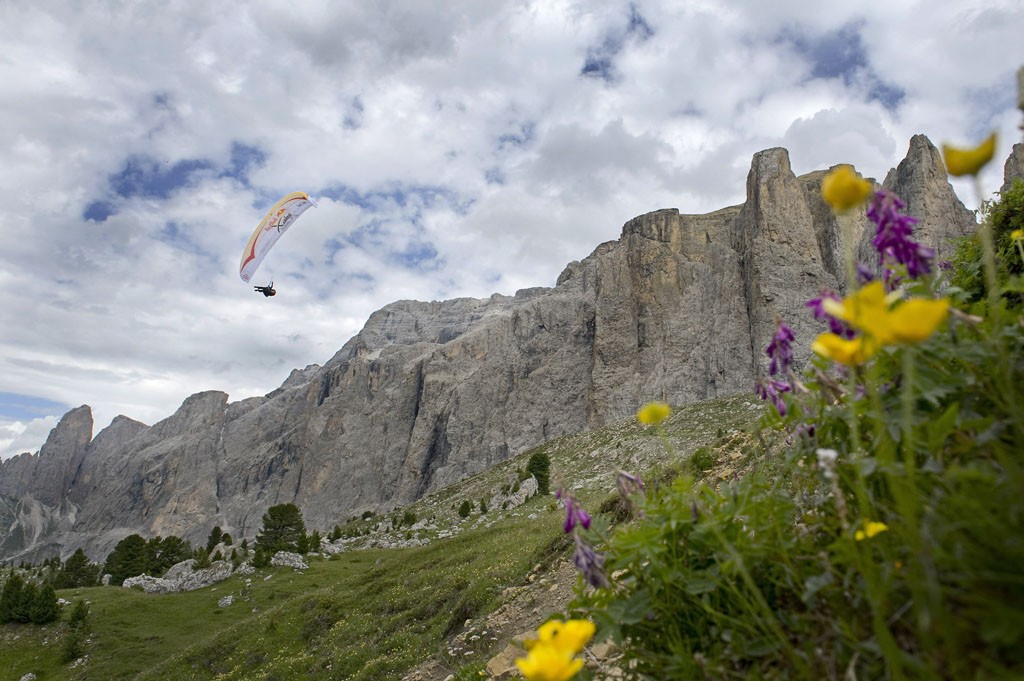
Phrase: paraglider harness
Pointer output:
(266, 290)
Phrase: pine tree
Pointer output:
(44, 608)
(10, 598)
(76, 572)
(23, 613)
(167, 552)
(79, 615)
(129, 558)
(283, 529)
(215, 538)
(202, 559)
(539, 467)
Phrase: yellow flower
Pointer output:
(571, 635)
(914, 321)
(547, 662)
(868, 310)
(860, 307)
(653, 413)
(844, 189)
(1017, 234)
(969, 161)
(838, 349)
(871, 528)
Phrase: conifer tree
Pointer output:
(128, 559)
(539, 467)
(283, 529)
(215, 538)
(77, 571)
(44, 608)
(11, 598)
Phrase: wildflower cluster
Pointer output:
(589, 562)
(880, 322)
(552, 656)
(780, 354)
(893, 231)
(878, 537)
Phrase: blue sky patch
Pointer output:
(244, 159)
(412, 197)
(19, 407)
(600, 60)
(520, 138)
(99, 211)
(841, 54)
(494, 176)
(419, 255)
(353, 118)
(146, 177)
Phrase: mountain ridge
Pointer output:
(427, 393)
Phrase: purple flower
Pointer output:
(629, 484)
(807, 428)
(893, 237)
(590, 563)
(780, 350)
(864, 275)
(836, 326)
(574, 513)
(771, 389)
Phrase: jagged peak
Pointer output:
(76, 425)
(770, 163)
(1013, 169)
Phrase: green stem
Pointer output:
(988, 254)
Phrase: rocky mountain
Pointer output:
(679, 308)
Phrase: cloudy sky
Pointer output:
(456, 148)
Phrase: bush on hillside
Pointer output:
(539, 466)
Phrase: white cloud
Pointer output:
(18, 437)
(455, 148)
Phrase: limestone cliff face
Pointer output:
(920, 180)
(679, 308)
(1013, 169)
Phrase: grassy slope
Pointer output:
(366, 614)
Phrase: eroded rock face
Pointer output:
(678, 309)
(921, 181)
(1013, 169)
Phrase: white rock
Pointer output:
(288, 559)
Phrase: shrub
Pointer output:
(202, 559)
(465, 508)
(261, 558)
(79, 615)
(702, 460)
(539, 466)
(73, 645)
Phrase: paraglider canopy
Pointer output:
(277, 220)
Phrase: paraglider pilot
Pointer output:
(266, 290)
